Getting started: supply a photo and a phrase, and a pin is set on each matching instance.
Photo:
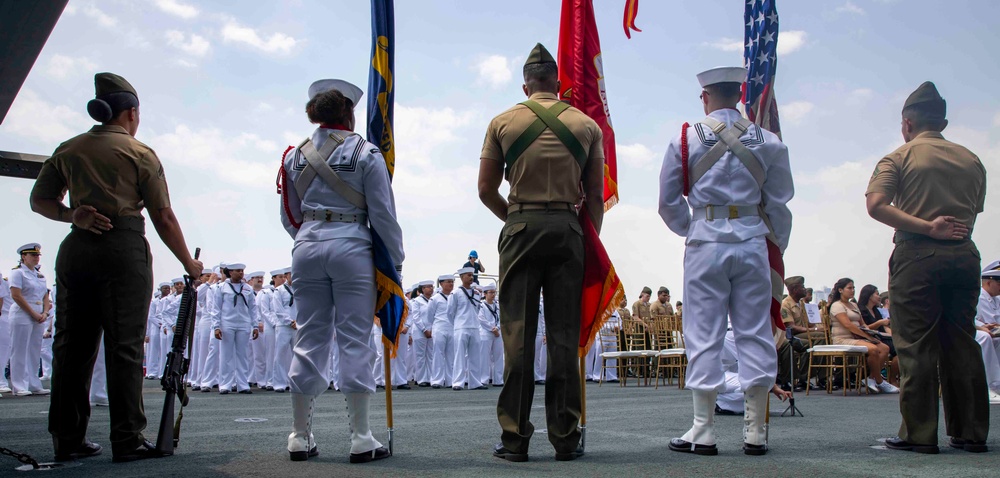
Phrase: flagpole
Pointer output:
(583, 404)
(388, 392)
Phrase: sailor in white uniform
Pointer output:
(168, 316)
(401, 364)
(594, 365)
(736, 178)
(210, 369)
(202, 331)
(463, 311)
(270, 319)
(235, 326)
(541, 351)
(987, 324)
(5, 302)
(423, 342)
(28, 314)
(491, 356)
(154, 350)
(47, 338)
(442, 332)
(282, 303)
(335, 185)
(258, 348)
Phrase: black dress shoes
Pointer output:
(86, 450)
(245, 392)
(424, 384)
(303, 455)
(539, 382)
(897, 443)
(402, 387)
(144, 451)
(722, 411)
(571, 455)
(754, 450)
(682, 446)
(968, 445)
(500, 452)
(376, 454)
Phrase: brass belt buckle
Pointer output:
(734, 212)
(329, 215)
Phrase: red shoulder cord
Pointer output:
(282, 183)
(684, 158)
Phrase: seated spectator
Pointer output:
(680, 309)
(847, 328)
(870, 313)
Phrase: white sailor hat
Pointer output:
(425, 283)
(445, 277)
(222, 265)
(179, 280)
(31, 247)
(489, 287)
(413, 287)
(722, 74)
(236, 266)
(286, 270)
(276, 272)
(466, 270)
(352, 92)
(164, 284)
(217, 270)
(992, 270)
(206, 271)
(256, 274)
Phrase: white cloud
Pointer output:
(40, 121)
(277, 42)
(996, 120)
(637, 156)
(99, 16)
(185, 63)
(194, 44)
(850, 7)
(176, 8)
(494, 70)
(862, 94)
(61, 66)
(726, 44)
(244, 159)
(791, 41)
(795, 111)
(423, 132)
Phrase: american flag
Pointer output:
(760, 57)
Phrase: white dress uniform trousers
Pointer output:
(99, 379)
(594, 363)
(202, 333)
(541, 351)
(4, 332)
(153, 334)
(258, 368)
(210, 369)
(284, 336)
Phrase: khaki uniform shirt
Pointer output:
(792, 314)
(656, 308)
(624, 314)
(640, 310)
(105, 168)
(546, 172)
(930, 177)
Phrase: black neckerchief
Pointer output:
(443, 296)
(493, 310)
(239, 294)
(474, 302)
(426, 300)
(291, 295)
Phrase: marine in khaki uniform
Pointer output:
(794, 317)
(931, 190)
(104, 269)
(640, 308)
(661, 306)
(545, 149)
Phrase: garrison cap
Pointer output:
(105, 83)
(992, 270)
(722, 74)
(352, 92)
(663, 289)
(647, 290)
(539, 55)
(926, 95)
(31, 247)
(795, 280)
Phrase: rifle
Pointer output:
(177, 367)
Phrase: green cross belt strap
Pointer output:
(547, 118)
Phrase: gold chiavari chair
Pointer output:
(634, 336)
(670, 354)
(609, 338)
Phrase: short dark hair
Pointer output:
(731, 91)
(329, 107)
(541, 73)
(924, 118)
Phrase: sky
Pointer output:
(223, 87)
